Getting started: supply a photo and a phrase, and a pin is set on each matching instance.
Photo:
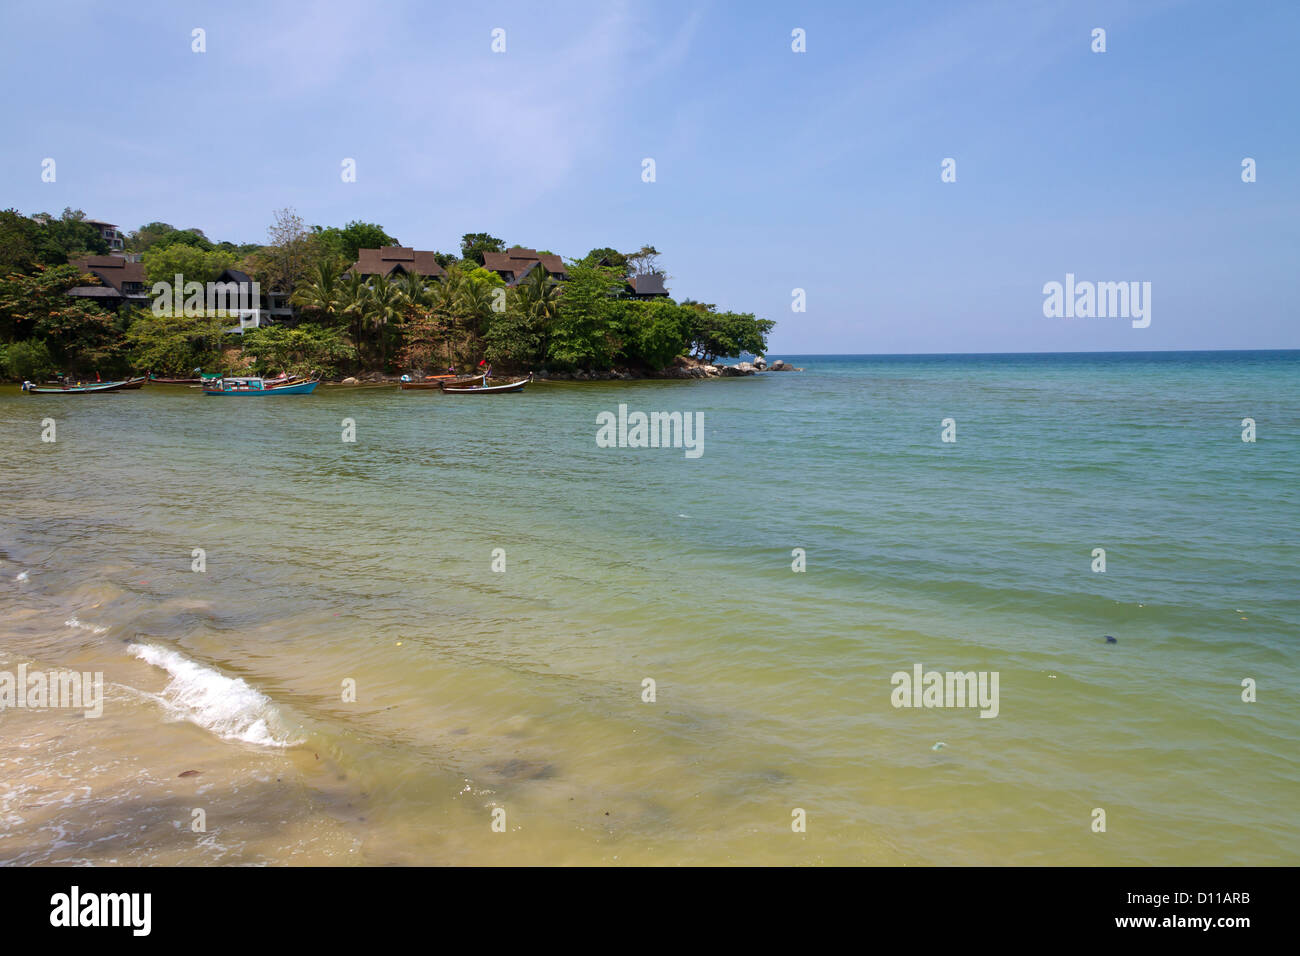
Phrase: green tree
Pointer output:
(343, 244)
(175, 345)
(187, 237)
(287, 259)
(612, 257)
(26, 361)
(474, 244)
(304, 350)
(382, 313)
(20, 238)
(68, 237)
(321, 297)
(714, 335)
(162, 263)
(580, 330)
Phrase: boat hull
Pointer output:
(452, 388)
(95, 388)
(431, 382)
(295, 388)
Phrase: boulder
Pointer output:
(778, 366)
(760, 363)
(349, 381)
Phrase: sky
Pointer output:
(774, 170)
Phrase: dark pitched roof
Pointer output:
(111, 270)
(518, 261)
(650, 283)
(391, 259)
(94, 292)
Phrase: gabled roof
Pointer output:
(649, 283)
(111, 270)
(518, 261)
(392, 259)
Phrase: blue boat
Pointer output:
(244, 385)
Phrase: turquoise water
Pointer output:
(522, 690)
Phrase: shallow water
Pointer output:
(372, 562)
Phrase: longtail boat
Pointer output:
(247, 385)
(84, 388)
(431, 381)
(155, 380)
(457, 388)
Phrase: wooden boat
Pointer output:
(456, 388)
(154, 379)
(248, 385)
(86, 388)
(431, 381)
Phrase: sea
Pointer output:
(473, 634)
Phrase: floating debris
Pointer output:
(189, 773)
(939, 745)
(1111, 640)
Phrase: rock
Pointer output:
(778, 366)
(760, 363)
(350, 381)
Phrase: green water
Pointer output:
(372, 561)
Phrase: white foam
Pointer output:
(226, 706)
(22, 576)
(93, 628)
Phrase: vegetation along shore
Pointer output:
(81, 299)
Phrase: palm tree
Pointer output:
(539, 295)
(321, 293)
(475, 302)
(354, 300)
(385, 308)
(414, 289)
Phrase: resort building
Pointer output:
(123, 281)
(270, 307)
(108, 232)
(515, 263)
(395, 260)
(649, 285)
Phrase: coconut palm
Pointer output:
(475, 303)
(354, 298)
(414, 289)
(321, 293)
(385, 306)
(539, 295)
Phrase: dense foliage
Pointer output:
(343, 323)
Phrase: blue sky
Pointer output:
(775, 170)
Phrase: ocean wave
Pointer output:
(225, 706)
